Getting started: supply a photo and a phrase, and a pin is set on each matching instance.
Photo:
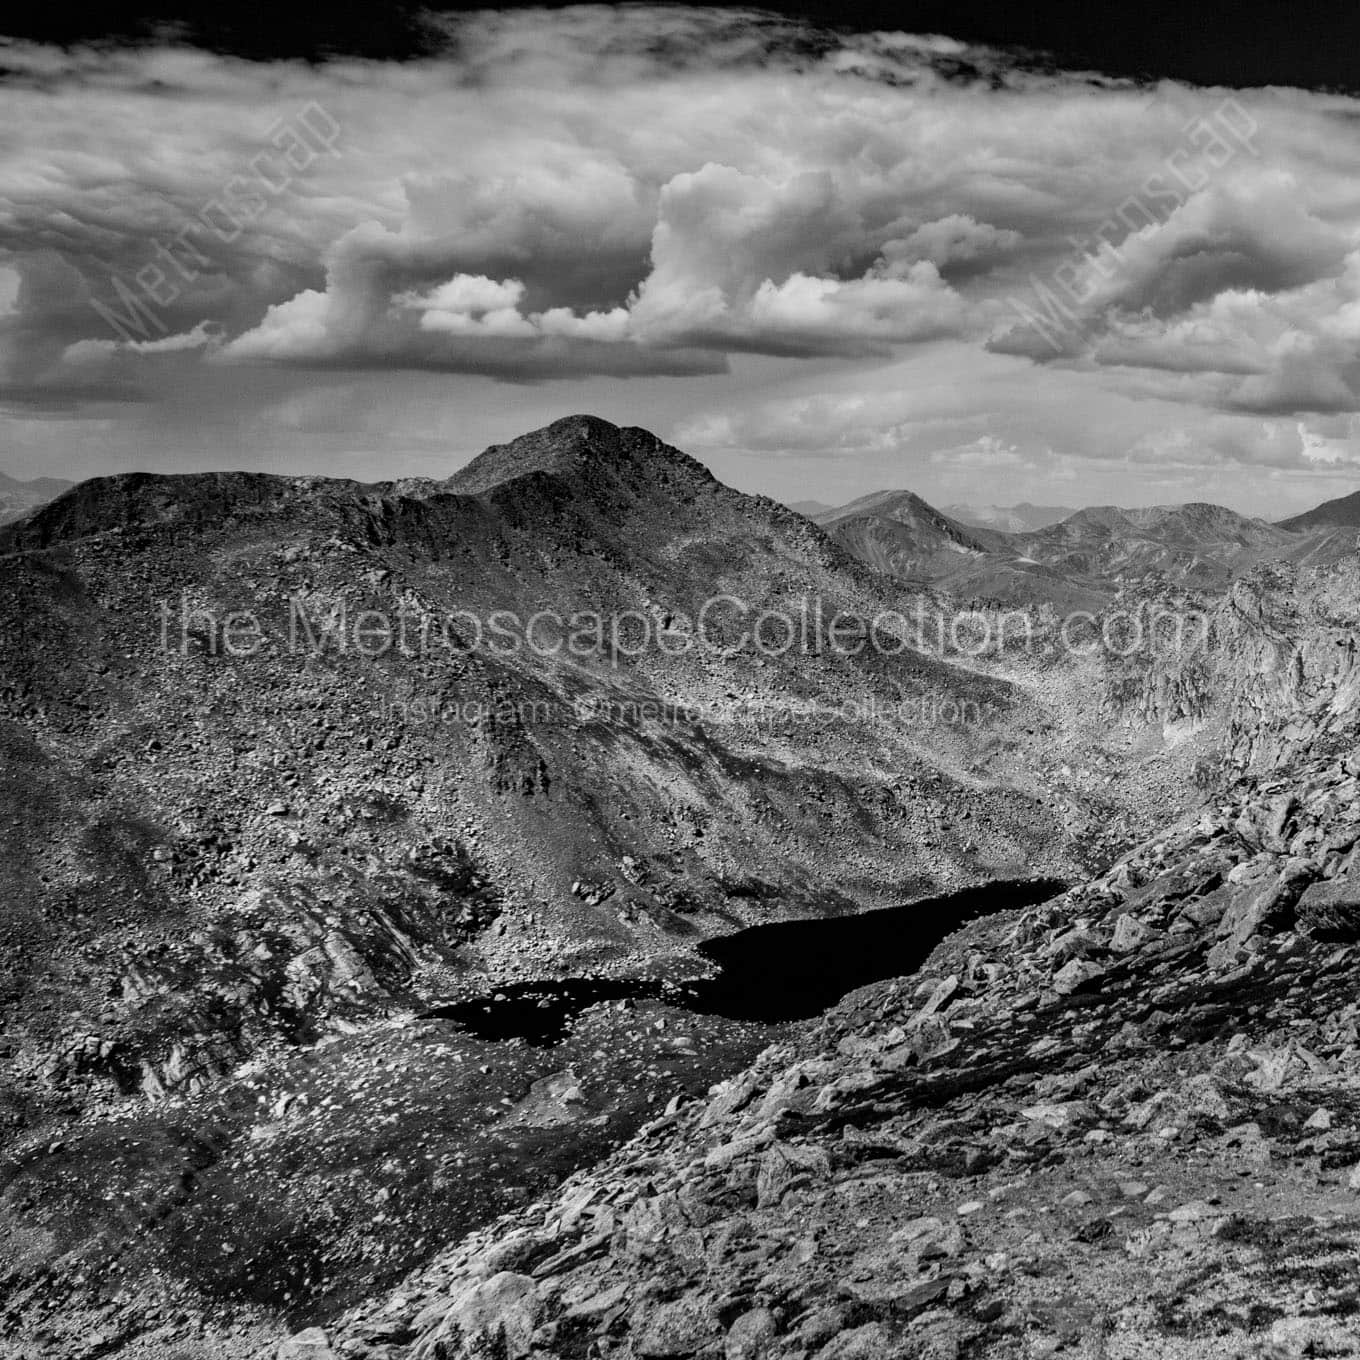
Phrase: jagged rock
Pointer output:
(930, 1038)
(1208, 910)
(1262, 908)
(939, 997)
(1331, 909)
(312, 1344)
(728, 1096)
(1076, 975)
(929, 1238)
(1076, 944)
(1059, 1115)
(488, 1320)
(783, 1166)
(1311, 1336)
(1129, 934)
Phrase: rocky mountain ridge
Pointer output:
(1269, 666)
(247, 844)
(1080, 559)
(242, 886)
(1341, 513)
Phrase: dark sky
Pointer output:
(1311, 43)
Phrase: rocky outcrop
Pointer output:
(279, 965)
(1271, 667)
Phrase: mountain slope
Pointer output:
(1341, 513)
(898, 533)
(253, 877)
(901, 535)
(1073, 564)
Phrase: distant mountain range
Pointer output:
(17, 497)
(1078, 558)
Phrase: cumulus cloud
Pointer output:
(682, 194)
(955, 242)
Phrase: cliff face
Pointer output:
(1268, 669)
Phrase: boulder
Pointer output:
(873, 1341)
(751, 1336)
(783, 1165)
(1260, 909)
(1075, 975)
(313, 1344)
(1129, 934)
(492, 1318)
(1331, 910)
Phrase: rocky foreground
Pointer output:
(1123, 1123)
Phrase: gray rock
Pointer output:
(1259, 909)
(494, 1317)
(1075, 975)
(1331, 910)
(677, 1329)
(751, 1336)
(313, 1344)
(1129, 934)
(873, 1341)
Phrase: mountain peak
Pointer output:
(890, 503)
(571, 446)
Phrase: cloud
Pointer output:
(203, 336)
(987, 453)
(956, 240)
(1331, 444)
(916, 243)
(743, 261)
(468, 323)
(738, 262)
